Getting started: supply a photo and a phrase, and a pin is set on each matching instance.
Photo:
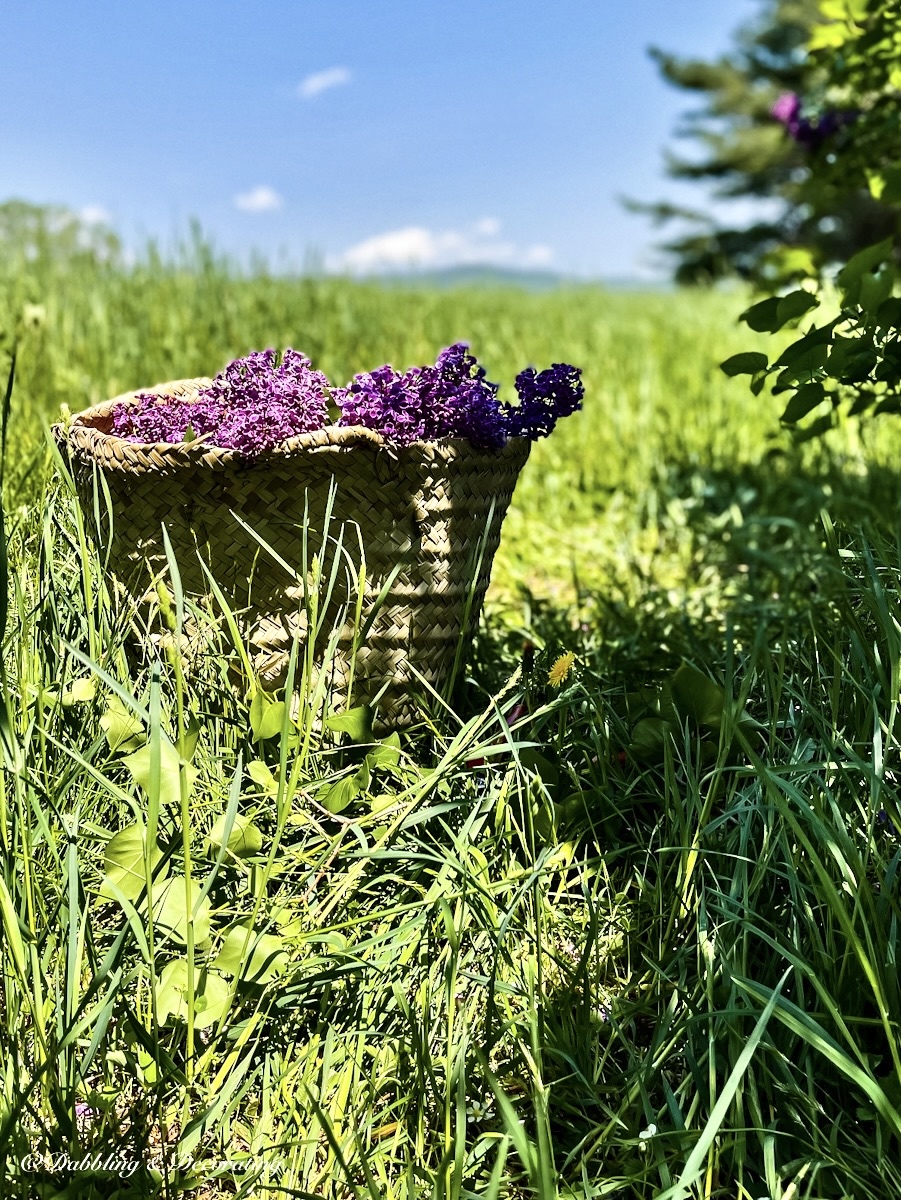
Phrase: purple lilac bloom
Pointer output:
(153, 418)
(460, 402)
(544, 397)
(383, 400)
(451, 399)
(262, 400)
(253, 405)
(787, 111)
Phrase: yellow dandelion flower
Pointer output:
(561, 669)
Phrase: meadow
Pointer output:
(639, 942)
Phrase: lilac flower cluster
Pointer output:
(544, 397)
(253, 405)
(260, 401)
(787, 111)
(452, 399)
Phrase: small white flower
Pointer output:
(645, 1136)
(479, 1110)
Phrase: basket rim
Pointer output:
(88, 434)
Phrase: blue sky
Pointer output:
(363, 135)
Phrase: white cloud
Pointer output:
(321, 81)
(488, 226)
(258, 199)
(415, 247)
(94, 214)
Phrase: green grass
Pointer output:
(648, 948)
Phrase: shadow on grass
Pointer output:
(710, 873)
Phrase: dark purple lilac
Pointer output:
(460, 402)
(544, 397)
(451, 399)
(787, 111)
(253, 405)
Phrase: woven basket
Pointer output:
(420, 517)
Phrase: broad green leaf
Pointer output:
(842, 351)
(171, 989)
(819, 336)
(124, 731)
(803, 367)
(804, 400)
(262, 776)
(267, 717)
(252, 957)
(138, 764)
(364, 775)
(649, 737)
(211, 1001)
(82, 690)
(124, 863)
(355, 722)
(340, 795)
(382, 802)
(336, 942)
(763, 317)
(795, 305)
(748, 363)
(386, 754)
(859, 264)
(757, 382)
(533, 761)
(244, 840)
(860, 367)
(170, 910)
(148, 1068)
(876, 288)
(290, 921)
(698, 697)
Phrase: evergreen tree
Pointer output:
(747, 152)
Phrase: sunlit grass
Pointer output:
(632, 935)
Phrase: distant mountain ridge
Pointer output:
(486, 275)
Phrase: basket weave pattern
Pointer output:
(417, 513)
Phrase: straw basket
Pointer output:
(418, 524)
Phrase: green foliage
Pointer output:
(743, 152)
(855, 358)
(127, 860)
(244, 839)
(250, 957)
(210, 1002)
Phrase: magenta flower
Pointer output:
(253, 405)
(787, 109)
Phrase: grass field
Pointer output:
(646, 948)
